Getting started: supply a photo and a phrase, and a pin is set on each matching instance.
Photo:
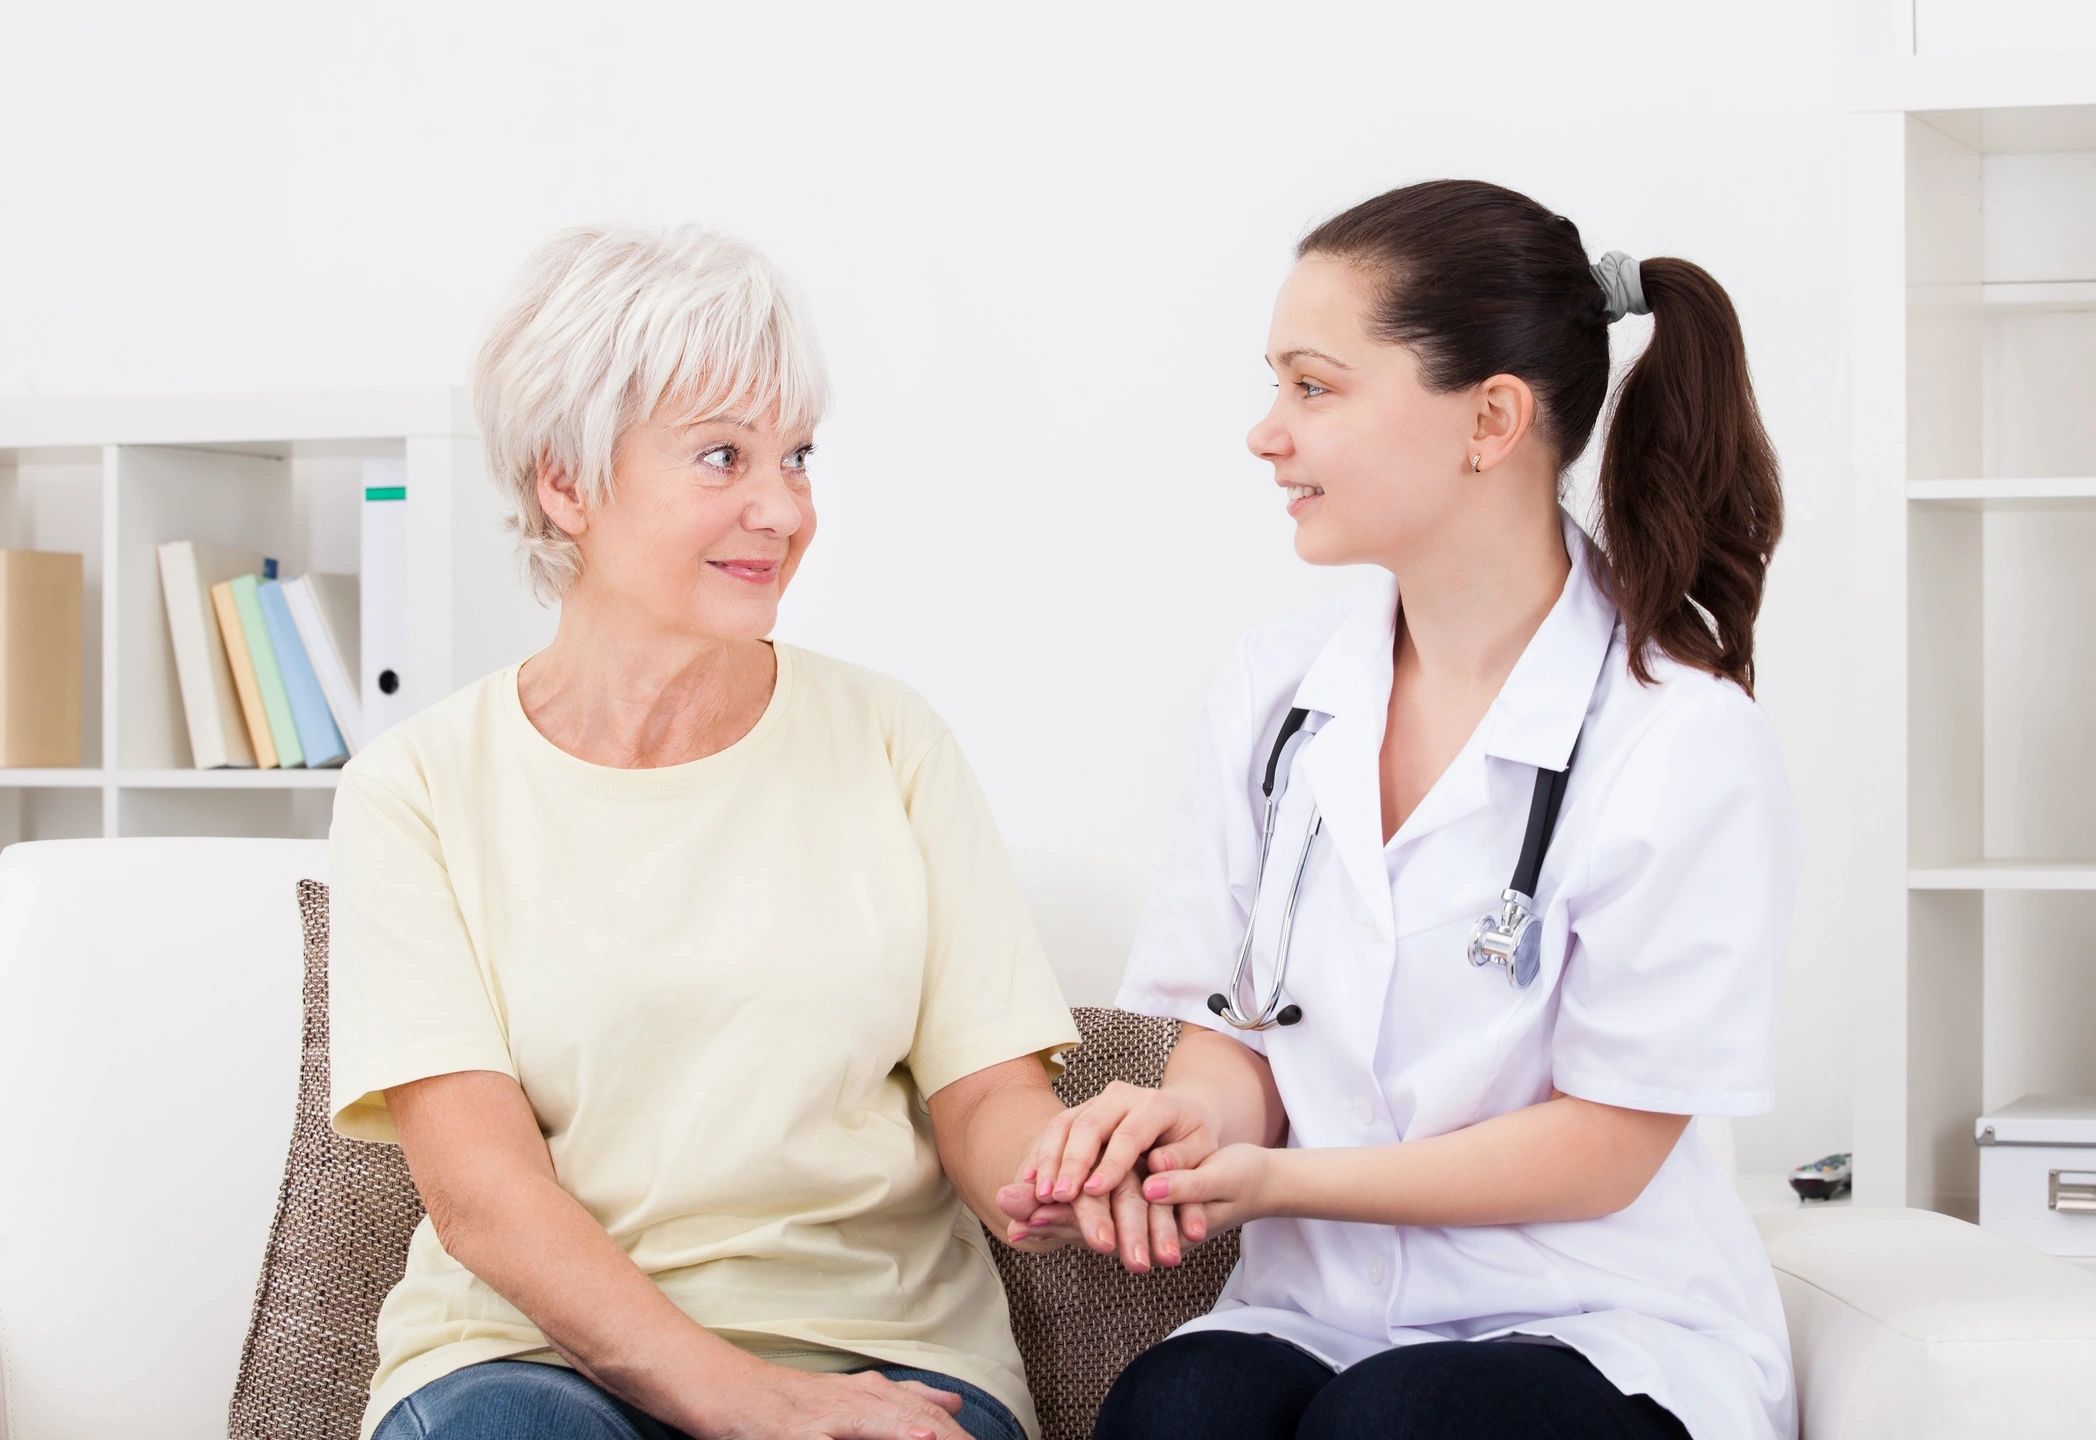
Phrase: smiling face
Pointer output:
(1370, 460)
(704, 530)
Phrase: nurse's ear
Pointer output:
(1505, 411)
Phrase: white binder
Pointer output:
(383, 632)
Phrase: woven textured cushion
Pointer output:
(346, 1208)
(339, 1240)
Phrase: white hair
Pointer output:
(604, 325)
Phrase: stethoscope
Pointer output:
(1506, 936)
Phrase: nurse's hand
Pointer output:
(1092, 1148)
(1231, 1186)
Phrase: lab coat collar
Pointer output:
(1349, 682)
(1537, 715)
(1534, 720)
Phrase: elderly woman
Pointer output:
(685, 966)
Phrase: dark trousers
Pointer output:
(1221, 1385)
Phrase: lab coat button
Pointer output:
(1364, 1111)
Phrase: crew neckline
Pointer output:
(650, 777)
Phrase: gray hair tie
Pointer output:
(1617, 274)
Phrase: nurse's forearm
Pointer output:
(1234, 1083)
(1564, 1159)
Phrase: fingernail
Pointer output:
(1064, 1190)
(1170, 1257)
(1103, 1237)
(1154, 1189)
(1022, 1233)
(1095, 1184)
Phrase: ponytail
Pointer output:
(1691, 502)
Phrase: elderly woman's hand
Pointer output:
(1121, 1223)
(775, 1403)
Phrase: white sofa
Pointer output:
(149, 1004)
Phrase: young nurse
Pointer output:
(1457, 1137)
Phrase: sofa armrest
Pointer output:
(1908, 1323)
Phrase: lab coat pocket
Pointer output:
(1444, 1024)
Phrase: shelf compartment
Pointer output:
(294, 812)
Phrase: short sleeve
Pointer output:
(406, 995)
(989, 995)
(1195, 919)
(1677, 932)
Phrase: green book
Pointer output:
(276, 703)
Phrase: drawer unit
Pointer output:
(2038, 1172)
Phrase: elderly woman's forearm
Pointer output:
(539, 1249)
(1004, 1127)
(984, 1124)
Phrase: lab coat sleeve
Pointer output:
(1190, 930)
(1678, 930)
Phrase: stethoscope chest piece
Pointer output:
(1509, 937)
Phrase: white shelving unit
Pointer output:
(281, 474)
(1972, 267)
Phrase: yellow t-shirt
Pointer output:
(725, 987)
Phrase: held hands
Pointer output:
(1134, 1171)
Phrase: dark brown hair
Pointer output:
(1477, 280)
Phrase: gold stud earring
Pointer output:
(1475, 462)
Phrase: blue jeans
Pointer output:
(528, 1400)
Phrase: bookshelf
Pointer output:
(282, 474)
(1972, 337)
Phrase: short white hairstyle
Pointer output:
(604, 325)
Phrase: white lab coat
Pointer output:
(1665, 902)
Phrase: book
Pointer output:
(269, 680)
(325, 608)
(318, 739)
(243, 668)
(43, 645)
(218, 737)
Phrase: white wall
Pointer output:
(1042, 243)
